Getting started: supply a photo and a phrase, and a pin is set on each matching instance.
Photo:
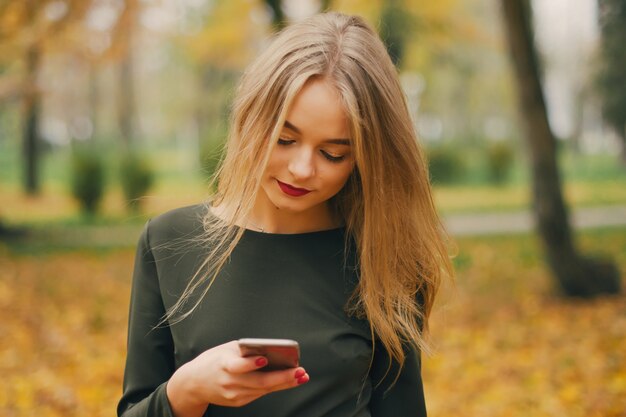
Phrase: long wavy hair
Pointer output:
(386, 205)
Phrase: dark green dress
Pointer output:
(290, 286)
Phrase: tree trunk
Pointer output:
(126, 100)
(126, 105)
(32, 112)
(94, 98)
(623, 145)
(576, 275)
(395, 27)
(278, 17)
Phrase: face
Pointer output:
(312, 159)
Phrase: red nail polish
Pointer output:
(299, 373)
(261, 361)
(303, 380)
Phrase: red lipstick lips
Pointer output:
(292, 191)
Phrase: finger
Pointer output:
(299, 381)
(270, 381)
(290, 385)
(240, 365)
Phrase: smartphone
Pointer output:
(280, 353)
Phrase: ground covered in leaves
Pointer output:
(505, 343)
(508, 345)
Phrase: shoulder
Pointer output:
(183, 222)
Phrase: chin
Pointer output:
(291, 207)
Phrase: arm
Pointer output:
(220, 376)
(406, 397)
(150, 356)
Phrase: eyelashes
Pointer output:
(283, 142)
(328, 156)
(333, 158)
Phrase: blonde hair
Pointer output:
(386, 204)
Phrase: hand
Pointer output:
(222, 376)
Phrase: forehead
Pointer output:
(318, 111)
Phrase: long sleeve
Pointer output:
(150, 356)
(303, 274)
(406, 397)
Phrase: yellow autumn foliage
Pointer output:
(230, 38)
(506, 344)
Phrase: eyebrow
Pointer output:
(342, 141)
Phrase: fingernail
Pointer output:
(299, 373)
(261, 361)
(303, 380)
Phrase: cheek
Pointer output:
(340, 177)
(276, 161)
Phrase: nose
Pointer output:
(302, 165)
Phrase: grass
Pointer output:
(453, 199)
(590, 180)
(54, 222)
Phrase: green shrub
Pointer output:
(445, 164)
(500, 156)
(88, 179)
(136, 177)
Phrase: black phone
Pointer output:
(280, 353)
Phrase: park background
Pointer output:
(113, 111)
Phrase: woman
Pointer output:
(322, 230)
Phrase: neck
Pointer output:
(288, 223)
(271, 219)
(267, 218)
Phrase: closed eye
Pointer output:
(329, 156)
(333, 158)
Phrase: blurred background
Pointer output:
(113, 111)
